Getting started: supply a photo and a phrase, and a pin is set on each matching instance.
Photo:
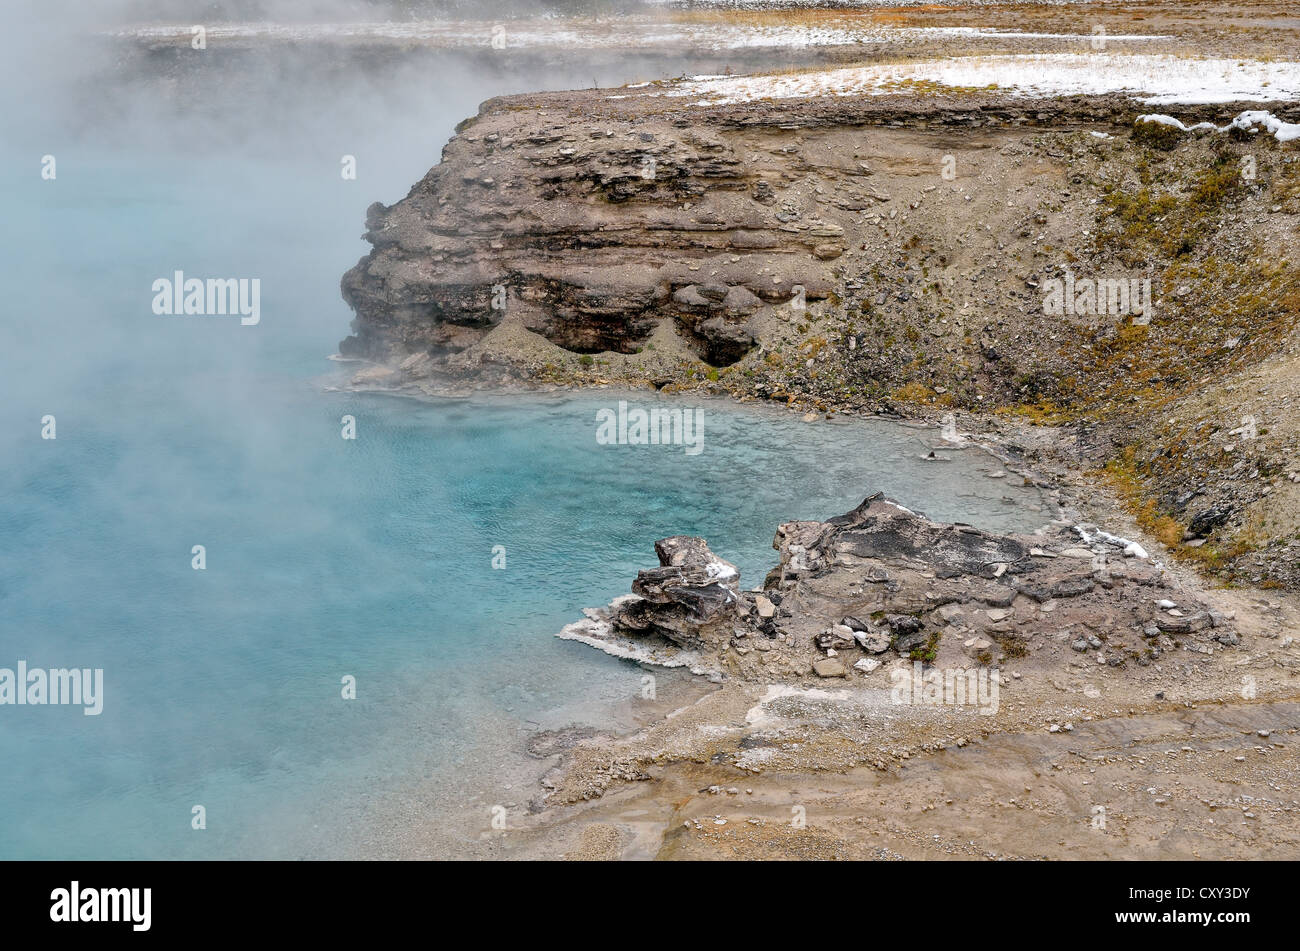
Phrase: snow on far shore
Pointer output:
(1153, 78)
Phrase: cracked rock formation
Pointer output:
(689, 599)
(884, 583)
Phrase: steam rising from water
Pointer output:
(221, 686)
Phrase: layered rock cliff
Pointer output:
(589, 230)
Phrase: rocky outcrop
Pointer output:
(883, 582)
(690, 598)
(587, 233)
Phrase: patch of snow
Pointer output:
(1134, 550)
(1171, 121)
(1247, 121)
(1091, 535)
(1283, 131)
(717, 571)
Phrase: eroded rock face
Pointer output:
(883, 583)
(589, 233)
(691, 598)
